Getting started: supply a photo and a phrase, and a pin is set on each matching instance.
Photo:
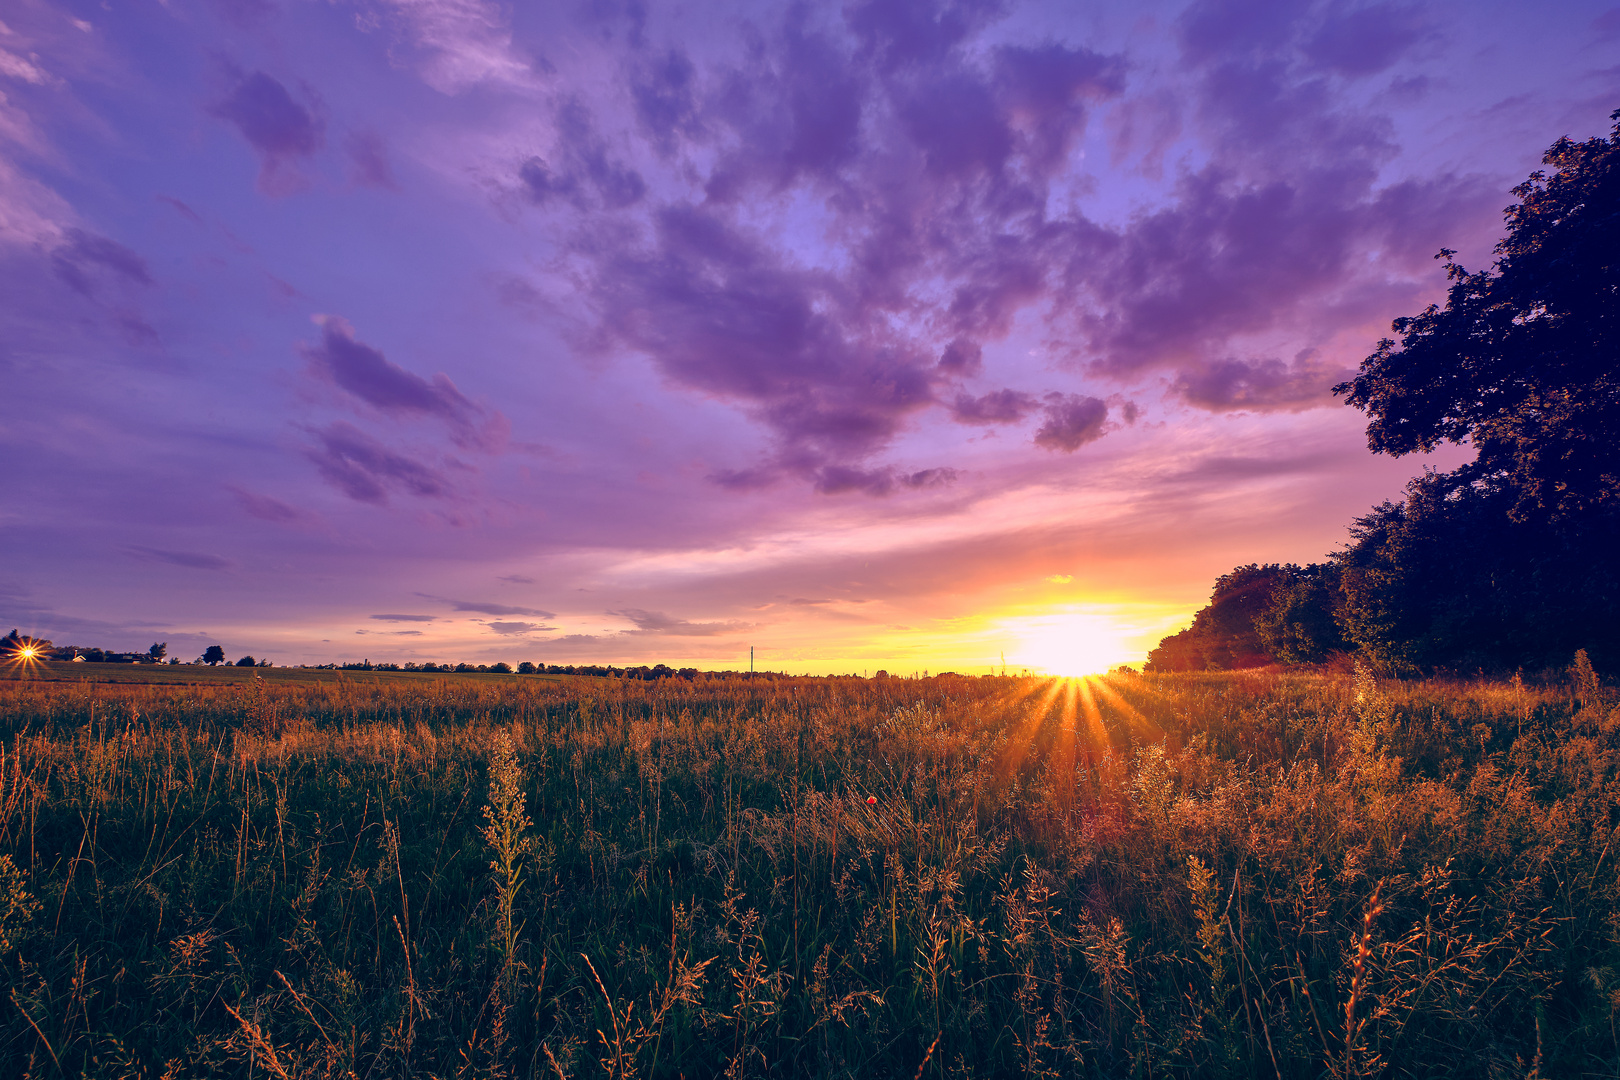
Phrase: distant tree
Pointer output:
(501, 668)
(1522, 361)
(212, 655)
(1223, 634)
(1446, 578)
(247, 661)
(526, 668)
(1300, 624)
(158, 651)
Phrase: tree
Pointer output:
(1521, 362)
(158, 651)
(1300, 625)
(247, 661)
(212, 655)
(1223, 635)
(1446, 578)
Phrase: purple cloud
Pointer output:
(368, 161)
(85, 256)
(484, 607)
(656, 622)
(275, 125)
(1259, 385)
(1367, 40)
(403, 618)
(366, 471)
(997, 407)
(1071, 421)
(366, 373)
(265, 508)
(517, 627)
(581, 171)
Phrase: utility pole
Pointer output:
(750, 659)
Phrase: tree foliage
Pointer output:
(1521, 361)
(1513, 559)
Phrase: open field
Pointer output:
(389, 874)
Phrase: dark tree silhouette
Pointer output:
(1522, 361)
(212, 655)
(158, 651)
(247, 661)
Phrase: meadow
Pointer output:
(356, 874)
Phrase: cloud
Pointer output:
(366, 471)
(517, 627)
(403, 618)
(265, 508)
(516, 579)
(1366, 40)
(83, 258)
(275, 125)
(656, 622)
(997, 407)
(932, 180)
(368, 161)
(1260, 385)
(367, 374)
(484, 607)
(1072, 420)
(191, 560)
(580, 170)
(1060, 579)
(459, 44)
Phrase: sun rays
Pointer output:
(1072, 721)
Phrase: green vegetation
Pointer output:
(331, 874)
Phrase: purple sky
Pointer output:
(874, 335)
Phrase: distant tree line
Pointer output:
(1512, 560)
(44, 649)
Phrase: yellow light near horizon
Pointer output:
(28, 652)
(1070, 644)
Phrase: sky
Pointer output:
(893, 334)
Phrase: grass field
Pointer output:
(282, 873)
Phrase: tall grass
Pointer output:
(1224, 875)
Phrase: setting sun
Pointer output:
(1070, 643)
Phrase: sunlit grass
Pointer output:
(1238, 874)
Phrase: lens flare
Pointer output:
(24, 652)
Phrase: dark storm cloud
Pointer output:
(273, 123)
(656, 622)
(352, 365)
(191, 560)
(365, 470)
(1072, 421)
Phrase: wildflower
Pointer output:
(871, 800)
